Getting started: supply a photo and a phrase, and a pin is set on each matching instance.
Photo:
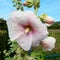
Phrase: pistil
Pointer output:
(27, 30)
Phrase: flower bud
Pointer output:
(25, 3)
(48, 43)
(49, 20)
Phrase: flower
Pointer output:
(26, 29)
(48, 43)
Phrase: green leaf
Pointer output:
(38, 55)
(18, 50)
(19, 58)
(8, 58)
(4, 51)
(30, 1)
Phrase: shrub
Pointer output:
(3, 37)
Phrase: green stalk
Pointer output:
(36, 10)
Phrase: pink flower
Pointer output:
(26, 29)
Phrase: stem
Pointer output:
(36, 10)
(29, 52)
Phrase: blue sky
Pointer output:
(50, 7)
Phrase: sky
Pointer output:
(50, 7)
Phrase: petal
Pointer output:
(37, 38)
(40, 33)
(14, 29)
(50, 41)
(40, 28)
(35, 43)
(25, 41)
(49, 19)
(19, 17)
(37, 24)
(48, 24)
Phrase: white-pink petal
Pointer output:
(18, 17)
(48, 24)
(40, 29)
(50, 41)
(13, 29)
(25, 41)
(49, 19)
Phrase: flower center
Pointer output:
(27, 30)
